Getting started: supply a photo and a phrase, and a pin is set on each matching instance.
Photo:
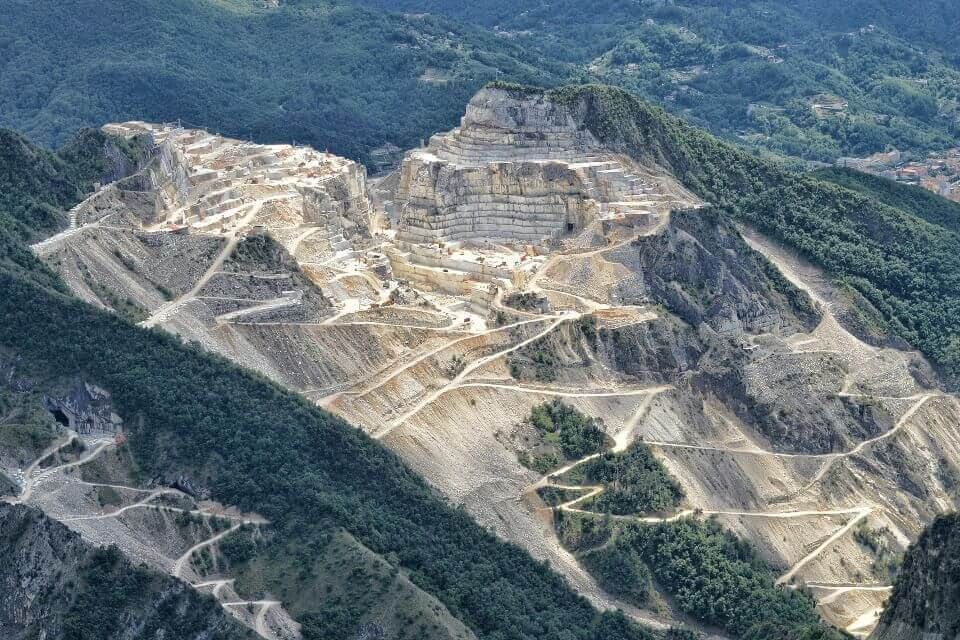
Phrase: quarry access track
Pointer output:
(592, 491)
(33, 479)
(166, 311)
(429, 354)
(470, 368)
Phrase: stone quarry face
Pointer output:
(423, 306)
(521, 170)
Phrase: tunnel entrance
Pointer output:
(60, 417)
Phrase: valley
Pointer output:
(512, 261)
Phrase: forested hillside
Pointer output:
(916, 200)
(924, 599)
(815, 80)
(330, 75)
(808, 78)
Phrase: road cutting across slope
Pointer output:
(473, 366)
(136, 505)
(167, 310)
(178, 566)
(833, 458)
(839, 533)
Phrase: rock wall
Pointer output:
(923, 605)
(518, 168)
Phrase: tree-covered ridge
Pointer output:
(809, 78)
(709, 573)
(912, 199)
(336, 75)
(574, 433)
(323, 73)
(906, 267)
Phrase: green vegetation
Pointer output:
(756, 72)
(37, 185)
(26, 427)
(710, 574)
(567, 435)
(635, 482)
(536, 361)
(809, 78)
(555, 496)
(619, 571)
(927, 590)
(886, 562)
(526, 301)
(322, 73)
(110, 589)
(267, 450)
(915, 200)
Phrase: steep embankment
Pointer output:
(924, 600)
(37, 186)
(55, 585)
(907, 268)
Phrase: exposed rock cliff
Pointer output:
(924, 601)
(518, 168)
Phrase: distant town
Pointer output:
(938, 172)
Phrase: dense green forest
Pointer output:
(912, 199)
(268, 450)
(925, 595)
(331, 75)
(110, 589)
(635, 481)
(567, 434)
(339, 75)
(754, 70)
(709, 573)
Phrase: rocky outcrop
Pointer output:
(700, 268)
(923, 605)
(86, 408)
(520, 167)
(55, 585)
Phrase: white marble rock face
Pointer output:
(516, 169)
